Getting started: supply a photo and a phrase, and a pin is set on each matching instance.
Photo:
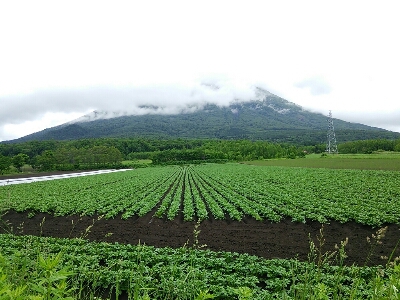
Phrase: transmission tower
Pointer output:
(331, 146)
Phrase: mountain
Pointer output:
(268, 117)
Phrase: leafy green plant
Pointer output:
(52, 282)
(8, 290)
(45, 282)
(34, 266)
(203, 295)
(244, 293)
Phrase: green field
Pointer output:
(378, 161)
(142, 162)
(219, 191)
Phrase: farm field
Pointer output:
(255, 210)
(379, 161)
(134, 271)
(221, 192)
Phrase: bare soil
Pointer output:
(285, 239)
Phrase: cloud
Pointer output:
(28, 113)
(383, 119)
(317, 85)
(126, 99)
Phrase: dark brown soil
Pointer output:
(285, 239)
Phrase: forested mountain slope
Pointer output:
(271, 118)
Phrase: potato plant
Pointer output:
(219, 191)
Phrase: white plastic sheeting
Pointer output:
(52, 177)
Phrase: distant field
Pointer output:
(138, 163)
(381, 161)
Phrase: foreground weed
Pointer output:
(311, 282)
(85, 234)
(41, 226)
(45, 282)
(196, 232)
(376, 285)
(52, 283)
(387, 288)
(374, 241)
(5, 225)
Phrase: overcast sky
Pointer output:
(62, 59)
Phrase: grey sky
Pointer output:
(60, 60)
(316, 85)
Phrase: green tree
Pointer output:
(19, 160)
(5, 163)
(397, 146)
(46, 161)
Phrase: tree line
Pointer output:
(133, 146)
(95, 153)
(369, 146)
(110, 152)
(66, 159)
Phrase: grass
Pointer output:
(138, 161)
(376, 161)
(376, 154)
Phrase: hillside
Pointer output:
(269, 118)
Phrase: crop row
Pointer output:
(160, 270)
(367, 197)
(219, 191)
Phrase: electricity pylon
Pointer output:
(331, 146)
